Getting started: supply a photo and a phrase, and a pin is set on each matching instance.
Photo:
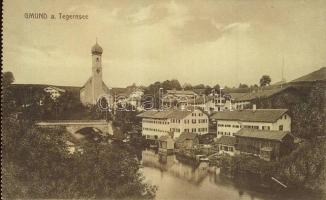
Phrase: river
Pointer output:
(180, 181)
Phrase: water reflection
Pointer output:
(169, 164)
(177, 180)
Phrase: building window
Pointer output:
(194, 121)
(280, 128)
(193, 130)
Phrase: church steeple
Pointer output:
(94, 88)
(97, 71)
(97, 49)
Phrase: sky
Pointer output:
(195, 41)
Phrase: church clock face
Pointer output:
(98, 71)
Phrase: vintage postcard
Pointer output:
(164, 99)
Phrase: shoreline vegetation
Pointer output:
(302, 171)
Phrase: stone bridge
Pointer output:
(73, 126)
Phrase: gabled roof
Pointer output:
(319, 75)
(165, 114)
(89, 81)
(186, 136)
(165, 138)
(236, 95)
(262, 134)
(258, 115)
(261, 94)
(227, 140)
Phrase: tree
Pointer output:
(199, 86)
(37, 164)
(187, 86)
(265, 80)
(305, 167)
(308, 118)
(7, 79)
(217, 87)
(243, 86)
(7, 100)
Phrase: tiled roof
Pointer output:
(89, 81)
(165, 114)
(164, 138)
(236, 95)
(186, 136)
(319, 75)
(258, 115)
(261, 134)
(261, 94)
(181, 92)
(227, 140)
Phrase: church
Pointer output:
(94, 88)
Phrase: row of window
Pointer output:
(155, 121)
(244, 126)
(224, 133)
(229, 125)
(175, 130)
(199, 114)
(226, 148)
(154, 129)
(280, 128)
(187, 121)
(193, 130)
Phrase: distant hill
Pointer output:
(39, 87)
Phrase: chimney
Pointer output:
(254, 107)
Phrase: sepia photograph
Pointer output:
(163, 99)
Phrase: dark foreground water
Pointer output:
(177, 180)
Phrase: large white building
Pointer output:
(230, 122)
(173, 122)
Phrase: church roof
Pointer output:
(97, 49)
(89, 81)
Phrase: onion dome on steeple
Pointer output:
(97, 49)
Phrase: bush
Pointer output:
(36, 164)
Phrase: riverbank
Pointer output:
(178, 180)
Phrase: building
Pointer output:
(178, 98)
(165, 144)
(173, 122)
(187, 141)
(94, 88)
(54, 92)
(283, 94)
(226, 145)
(268, 145)
(230, 122)
(130, 95)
